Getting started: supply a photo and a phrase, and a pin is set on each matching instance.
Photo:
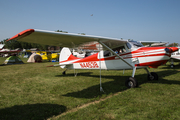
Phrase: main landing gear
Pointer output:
(172, 65)
(131, 82)
(152, 76)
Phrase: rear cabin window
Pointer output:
(118, 50)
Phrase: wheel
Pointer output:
(153, 76)
(172, 66)
(64, 73)
(131, 82)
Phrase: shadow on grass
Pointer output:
(176, 66)
(2, 65)
(117, 85)
(73, 74)
(166, 74)
(31, 111)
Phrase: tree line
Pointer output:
(173, 45)
(13, 44)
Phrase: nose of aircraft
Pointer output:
(173, 49)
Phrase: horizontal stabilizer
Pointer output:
(53, 65)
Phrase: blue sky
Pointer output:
(141, 20)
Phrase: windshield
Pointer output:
(134, 44)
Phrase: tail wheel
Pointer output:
(64, 73)
(131, 82)
(153, 76)
(172, 66)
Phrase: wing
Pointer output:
(153, 43)
(11, 51)
(64, 39)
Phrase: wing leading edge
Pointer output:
(63, 39)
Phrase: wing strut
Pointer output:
(101, 89)
(115, 53)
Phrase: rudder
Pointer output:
(65, 54)
(66, 57)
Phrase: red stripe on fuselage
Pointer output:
(95, 57)
(153, 64)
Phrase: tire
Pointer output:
(131, 82)
(64, 73)
(172, 66)
(153, 76)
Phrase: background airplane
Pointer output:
(175, 57)
(6, 52)
(153, 43)
(1, 46)
(114, 54)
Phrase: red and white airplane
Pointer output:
(115, 54)
(7, 52)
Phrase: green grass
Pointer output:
(34, 91)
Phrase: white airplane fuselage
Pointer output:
(140, 58)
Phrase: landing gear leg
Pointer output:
(151, 75)
(75, 73)
(131, 82)
(172, 63)
(172, 66)
(64, 72)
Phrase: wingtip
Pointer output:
(21, 34)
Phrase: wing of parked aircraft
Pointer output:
(64, 39)
(69, 40)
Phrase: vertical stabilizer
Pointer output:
(65, 54)
(66, 57)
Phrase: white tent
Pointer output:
(1, 46)
(35, 58)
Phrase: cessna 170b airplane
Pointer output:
(114, 54)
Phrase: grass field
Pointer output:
(34, 91)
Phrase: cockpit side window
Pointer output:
(128, 45)
(121, 50)
(107, 53)
(118, 50)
